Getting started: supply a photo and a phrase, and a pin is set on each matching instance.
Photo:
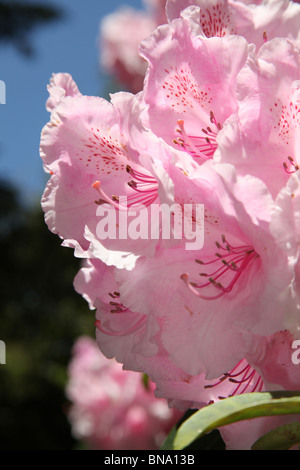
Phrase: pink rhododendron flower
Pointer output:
(268, 89)
(188, 105)
(285, 226)
(276, 368)
(111, 408)
(60, 86)
(233, 280)
(190, 86)
(268, 367)
(256, 21)
(215, 127)
(135, 342)
(89, 150)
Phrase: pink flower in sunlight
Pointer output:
(60, 86)
(88, 149)
(113, 409)
(190, 86)
(122, 31)
(285, 226)
(212, 309)
(233, 280)
(135, 341)
(269, 91)
(257, 21)
(268, 367)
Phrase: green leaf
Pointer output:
(282, 438)
(145, 381)
(210, 441)
(233, 409)
(168, 442)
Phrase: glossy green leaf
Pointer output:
(233, 409)
(281, 438)
(168, 442)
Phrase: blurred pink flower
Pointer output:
(113, 409)
(120, 35)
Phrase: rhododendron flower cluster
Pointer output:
(110, 408)
(216, 126)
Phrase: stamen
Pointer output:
(105, 199)
(245, 376)
(265, 36)
(233, 262)
(145, 187)
(293, 166)
(145, 191)
(130, 330)
(197, 145)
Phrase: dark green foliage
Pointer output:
(40, 318)
(18, 19)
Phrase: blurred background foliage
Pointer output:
(18, 19)
(41, 314)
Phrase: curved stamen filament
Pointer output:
(137, 175)
(145, 185)
(293, 166)
(145, 192)
(106, 199)
(198, 146)
(245, 376)
(147, 198)
(235, 260)
(130, 330)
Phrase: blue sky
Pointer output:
(68, 45)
